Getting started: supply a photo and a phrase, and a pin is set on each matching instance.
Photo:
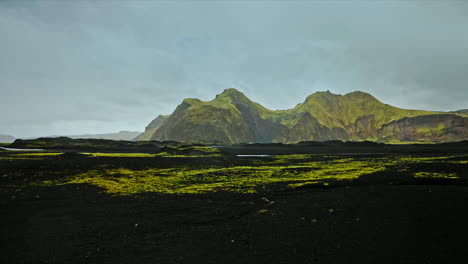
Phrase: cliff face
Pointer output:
(231, 117)
(429, 128)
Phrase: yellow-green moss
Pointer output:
(300, 184)
(458, 161)
(436, 175)
(40, 154)
(429, 159)
(243, 179)
(120, 155)
(14, 155)
(291, 170)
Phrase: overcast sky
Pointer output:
(104, 66)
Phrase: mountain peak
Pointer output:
(232, 95)
(327, 95)
(191, 101)
(360, 94)
(231, 91)
(321, 95)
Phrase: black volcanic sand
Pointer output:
(379, 218)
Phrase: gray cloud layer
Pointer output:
(103, 66)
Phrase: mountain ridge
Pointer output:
(232, 117)
(121, 135)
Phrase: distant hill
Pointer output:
(122, 135)
(6, 138)
(461, 111)
(231, 117)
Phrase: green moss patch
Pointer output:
(197, 174)
(120, 155)
(242, 179)
(14, 155)
(436, 175)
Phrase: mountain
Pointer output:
(231, 117)
(122, 135)
(6, 139)
(152, 127)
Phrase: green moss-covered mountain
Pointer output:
(232, 118)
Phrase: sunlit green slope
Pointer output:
(152, 127)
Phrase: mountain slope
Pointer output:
(152, 127)
(231, 117)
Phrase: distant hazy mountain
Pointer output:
(6, 139)
(461, 111)
(122, 135)
(231, 117)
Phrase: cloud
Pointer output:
(117, 64)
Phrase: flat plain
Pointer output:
(260, 203)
